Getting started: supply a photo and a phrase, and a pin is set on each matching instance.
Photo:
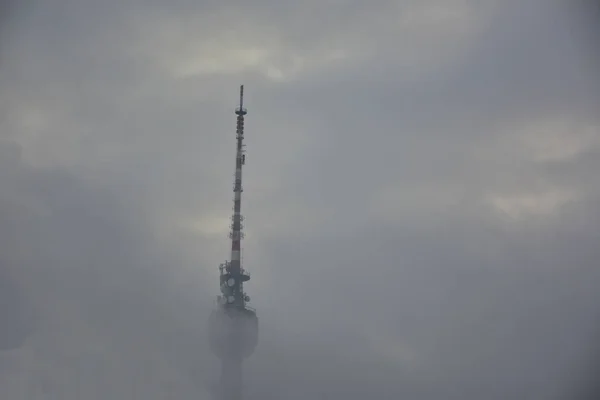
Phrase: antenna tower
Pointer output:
(233, 324)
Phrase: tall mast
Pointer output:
(234, 325)
(235, 268)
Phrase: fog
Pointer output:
(420, 193)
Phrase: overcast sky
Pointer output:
(421, 195)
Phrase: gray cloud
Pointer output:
(104, 290)
(420, 195)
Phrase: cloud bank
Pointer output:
(421, 202)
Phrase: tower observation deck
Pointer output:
(233, 324)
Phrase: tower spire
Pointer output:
(234, 325)
(238, 298)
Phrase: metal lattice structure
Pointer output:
(233, 324)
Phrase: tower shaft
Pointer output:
(234, 325)
(230, 384)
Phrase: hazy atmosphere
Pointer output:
(421, 196)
